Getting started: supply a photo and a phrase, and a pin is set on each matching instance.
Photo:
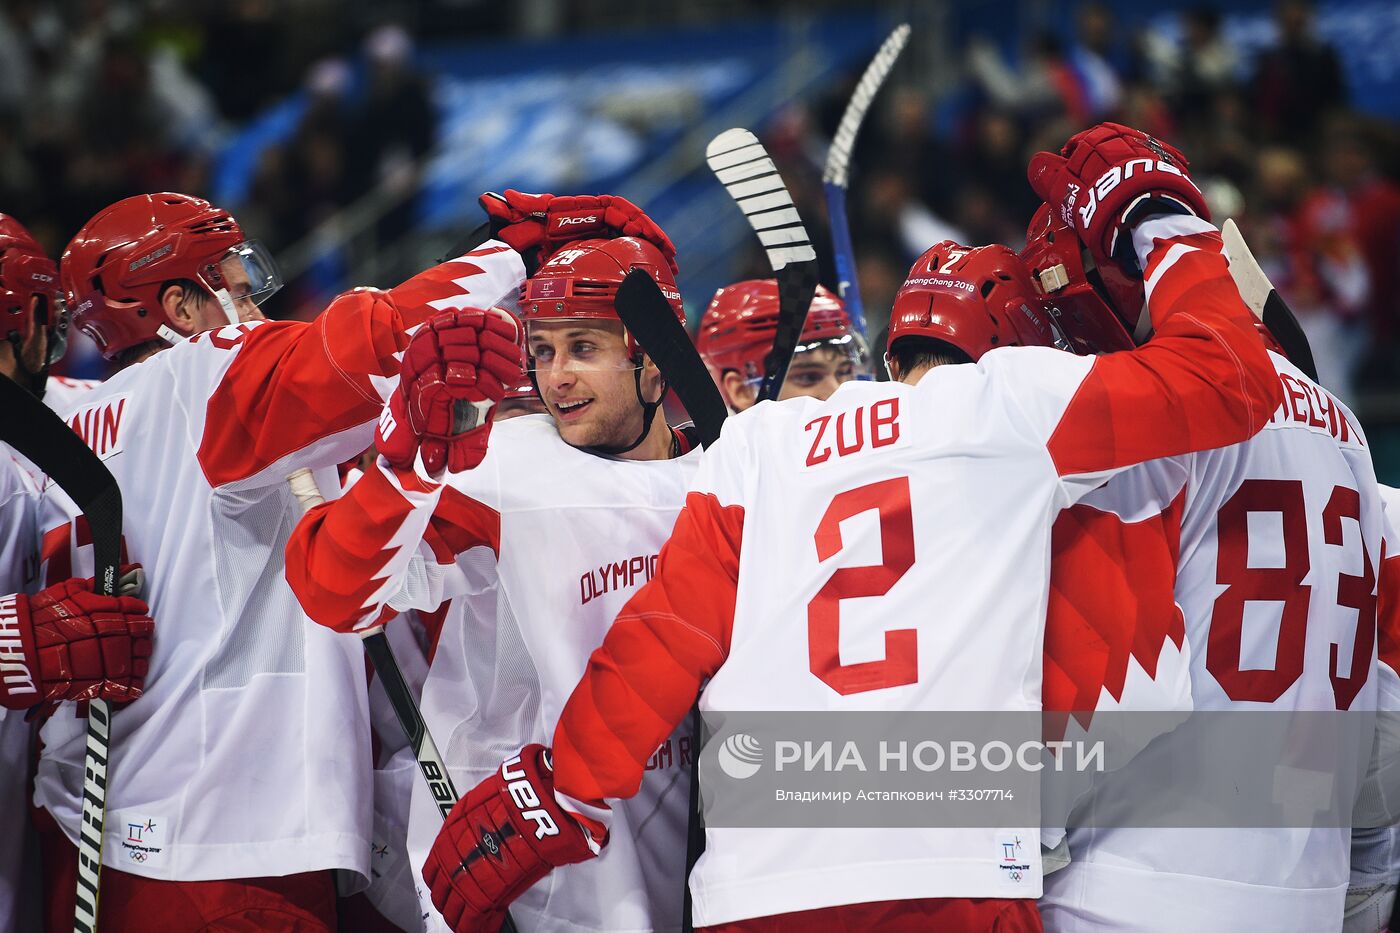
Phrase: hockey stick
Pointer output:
(1265, 301)
(468, 243)
(648, 317)
(386, 668)
(836, 176)
(743, 166)
(30, 427)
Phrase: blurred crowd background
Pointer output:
(352, 137)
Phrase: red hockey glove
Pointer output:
(454, 371)
(69, 643)
(501, 838)
(1102, 175)
(544, 222)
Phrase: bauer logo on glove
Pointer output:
(499, 840)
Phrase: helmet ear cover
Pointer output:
(1078, 296)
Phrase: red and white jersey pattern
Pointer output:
(538, 548)
(1115, 639)
(1281, 538)
(248, 754)
(871, 507)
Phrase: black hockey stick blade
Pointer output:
(650, 320)
(30, 427)
(469, 242)
(743, 166)
(1265, 301)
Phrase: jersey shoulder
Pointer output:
(529, 466)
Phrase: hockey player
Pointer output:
(65, 642)
(414, 635)
(1021, 435)
(538, 536)
(737, 330)
(1308, 476)
(241, 778)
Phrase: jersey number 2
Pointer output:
(900, 665)
(1285, 585)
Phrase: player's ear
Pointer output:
(651, 378)
(892, 364)
(177, 302)
(738, 390)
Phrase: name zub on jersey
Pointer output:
(850, 432)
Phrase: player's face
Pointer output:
(240, 289)
(587, 381)
(817, 373)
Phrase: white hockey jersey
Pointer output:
(1279, 555)
(19, 573)
(248, 754)
(537, 547)
(62, 393)
(19, 564)
(910, 528)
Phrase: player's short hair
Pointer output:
(914, 352)
(191, 287)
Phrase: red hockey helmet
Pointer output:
(116, 267)
(27, 273)
(974, 299)
(581, 281)
(737, 329)
(1056, 260)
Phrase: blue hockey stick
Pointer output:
(836, 174)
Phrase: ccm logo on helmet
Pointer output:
(527, 800)
(570, 221)
(1117, 175)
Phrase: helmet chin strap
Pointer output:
(226, 302)
(649, 410)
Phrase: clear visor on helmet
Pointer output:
(558, 345)
(247, 272)
(59, 320)
(819, 366)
